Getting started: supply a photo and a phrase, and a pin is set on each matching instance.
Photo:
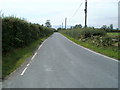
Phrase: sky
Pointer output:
(100, 12)
(119, 16)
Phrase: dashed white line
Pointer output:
(42, 44)
(24, 71)
(28, 65)
(91, 50)
(34, 56)
(39, 47)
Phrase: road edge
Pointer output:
(25, 63)
(90, 49)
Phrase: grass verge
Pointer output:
(15, 58)
(103, 50)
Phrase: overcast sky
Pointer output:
(100, 12)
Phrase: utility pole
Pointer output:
(62, 25)
(65, 22)
(85, 13)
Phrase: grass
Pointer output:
(103, 50)
(15, 58)
(113, 34)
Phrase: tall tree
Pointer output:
(111, 26)
(104, 27)
(48, 24)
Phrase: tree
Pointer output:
(111, 26)
(71, 27)
(48, 24)
(117, 28)
(78, 26)
(104, 27)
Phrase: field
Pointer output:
(113, 34)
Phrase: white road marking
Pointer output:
(34, 56)
(28, 65)
(24, 71)
(42, 44)
(39, 47)
(91, 50)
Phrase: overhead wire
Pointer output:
(77, 9)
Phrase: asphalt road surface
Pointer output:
(59, 63)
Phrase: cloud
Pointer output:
(56, 10)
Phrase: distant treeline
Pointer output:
(18, 33)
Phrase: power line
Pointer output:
(77, 9)
(73, 13)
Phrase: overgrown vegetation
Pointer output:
(18, 33)
(19, 40)
(96, 39)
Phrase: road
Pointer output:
(59, 63)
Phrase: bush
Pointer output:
(18, 33)
(84, 33)
(107, 41)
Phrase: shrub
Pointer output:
(84, 33)
(18, 33)
(107, 41)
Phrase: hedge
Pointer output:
(18, 33)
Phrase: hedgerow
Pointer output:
(84, 33)
(95, 39)
(18, 33)
(98, 37)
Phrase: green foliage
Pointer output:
(19, 39)
(109, 51)
(16, 57)
(77, 26)
(102, 41)
(84, 33)
(113, 34)
(107, 41)
(97, 36)
(48, 24)
(18, 33)
(94, 39)
(110, 28)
